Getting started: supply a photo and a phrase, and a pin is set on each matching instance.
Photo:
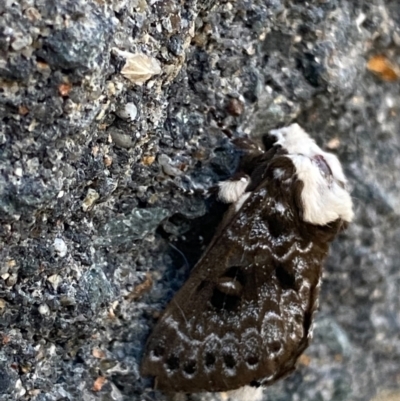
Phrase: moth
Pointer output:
(245, 314)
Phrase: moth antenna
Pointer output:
(180, 253)
(148, 398)
(187, 267)
(177, 305)
(356, 198)
(247, 144)
(193, 188)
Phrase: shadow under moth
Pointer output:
(245, 314)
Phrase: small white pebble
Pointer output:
(128, 112)
(18, 386)
(18, 172)
(55, 281)
(21, 41)
(131, 110)
(44, 309)
(60, 247)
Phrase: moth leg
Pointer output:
(255, 156)
(230, 191)
(252, 156)
(252, 161)
(251, 152)
(247, 145)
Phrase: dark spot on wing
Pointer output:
(190, 367)
(158, 351)
(252, 360)
(276, 227)
(229, 361)
(172, 362)
(274, 346)
(209, 359)
(237, 273)
(223, 301)
(286, 279)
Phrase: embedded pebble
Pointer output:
(44, 309)
(60, 247)
(121, 140)
(167, 167)
(127, 112)
(21, 41)
(55, 281)
(90, 199)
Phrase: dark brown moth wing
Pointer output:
(244, 315)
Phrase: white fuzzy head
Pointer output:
(324, 196)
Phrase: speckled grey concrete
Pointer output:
(102, 179)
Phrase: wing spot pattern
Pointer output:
(275, 227)
(221, 300)
(229, 361)
(172, 363)
(286, 279)
(227, 293)
(237, 274)
(209, 360)
(252, 360)
(158, 351)
(190, 367)
(274, 346)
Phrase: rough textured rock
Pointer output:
(102, 179)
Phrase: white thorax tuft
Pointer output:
(231, 190)
(324, 196)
